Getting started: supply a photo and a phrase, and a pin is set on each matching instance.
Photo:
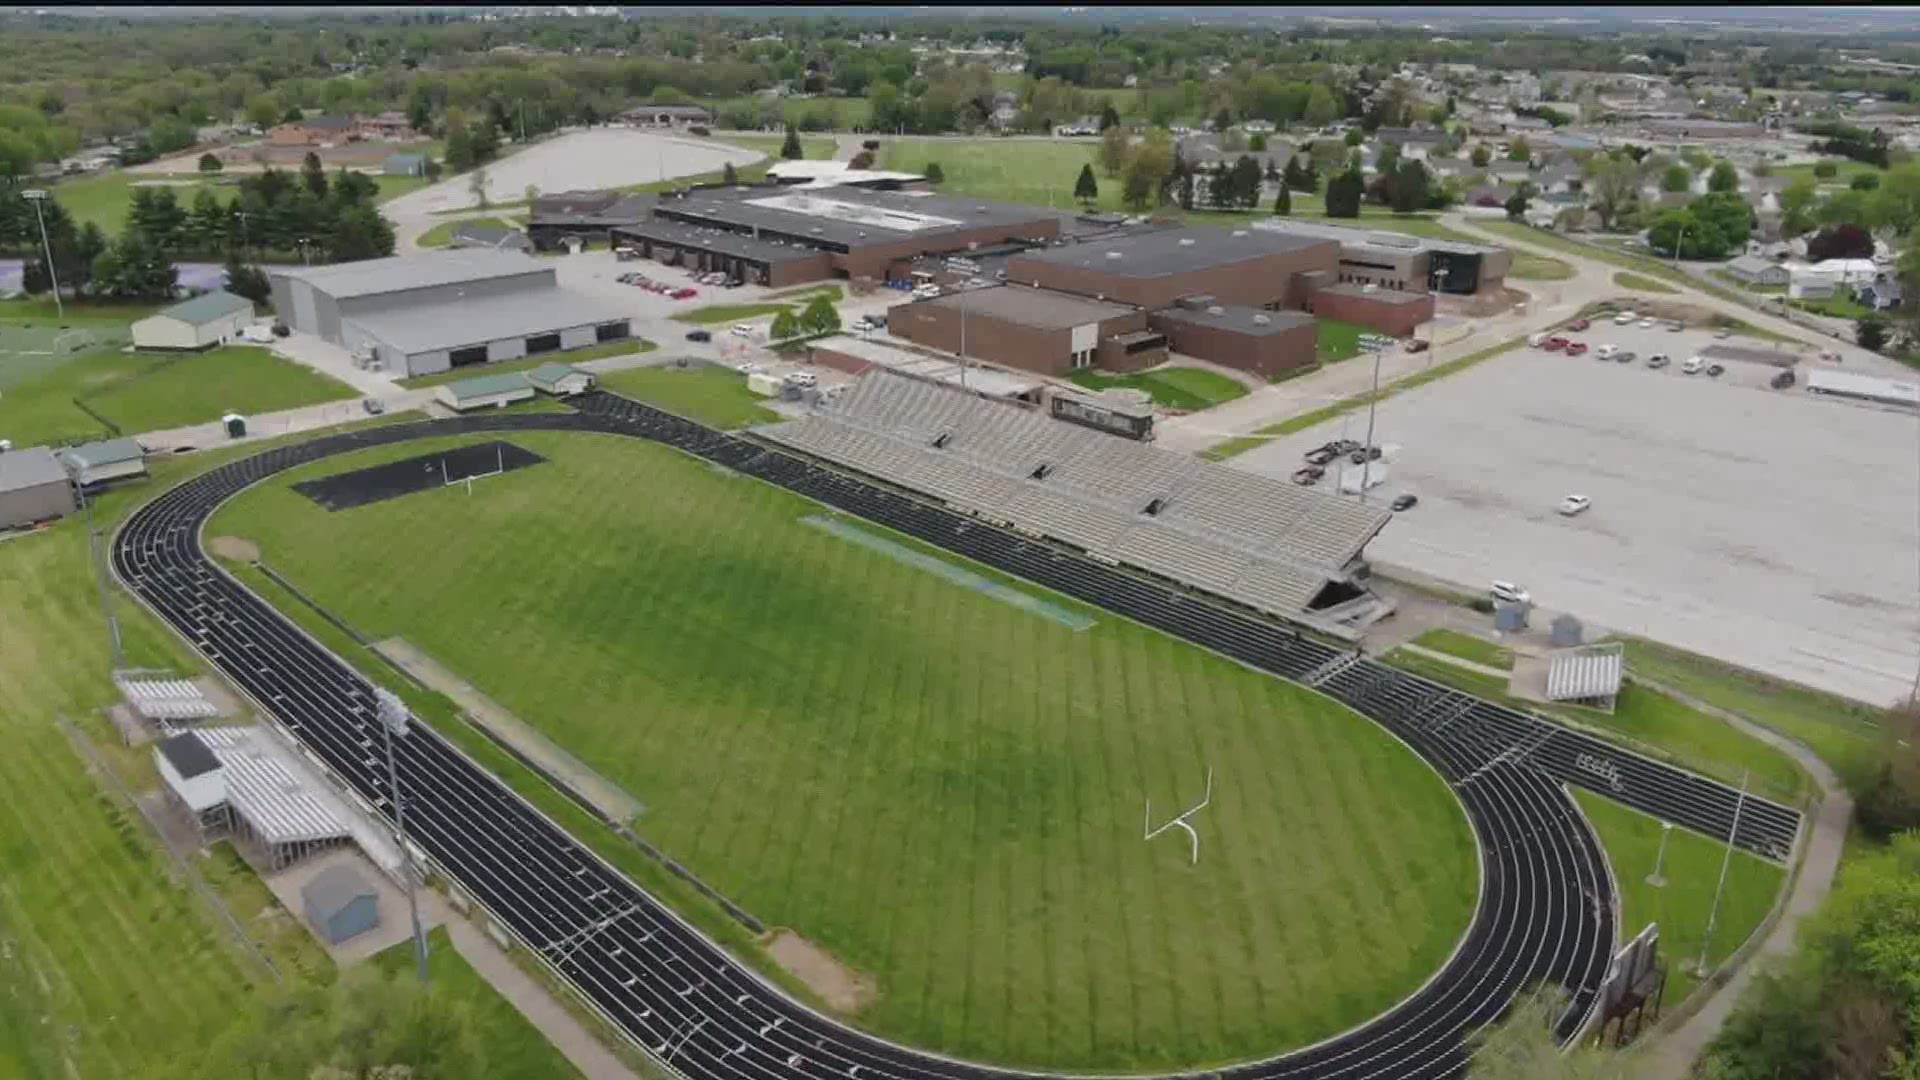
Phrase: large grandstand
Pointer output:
(1273, 546)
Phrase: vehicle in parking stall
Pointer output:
(1308, 474)
(281, 329)
(1508, 592)
(1607, 350)
(1714, 371)
(684, 294)
(804, 379)
(1578, 325)
(742, 330)
(1692, 366)
(1320, 456)
(1536, 341)
(1658, 360)
(748, 369)
(699, 335)
(1418, 345)
(1404, 502)
(1576, 348)
(1646, 324)
(1358, 457)
(1555, 343)
(1830, 356)
(1574, 504)
(1781, 380)
(1625, 318)
(623, 253)
(1674, 326)
(1625, 356)
(374, 406)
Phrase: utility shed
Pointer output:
(340, 904)
(478, 393)
(98, 462)
(200, 323)
(33, 487)
(560, 380)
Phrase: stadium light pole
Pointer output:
(1700, 968)
(100, 576)
(393, 721)
(1366, 452)
(1657, 879)
(36, 196)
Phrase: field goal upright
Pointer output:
(1182, 821)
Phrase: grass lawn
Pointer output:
(1530, 267)
(1692, 871)
(1627, 280)
(715, 314)
(1466, 647)
(1837, 306)
(168, 392)
(282, 935)
(1034, 172)
(839, 113)
(442, 234)
(1848, 169)
(945, 787)
(1757, 290)
(812, 147)
(1336, 340)
(1844, 733)
(1240, 444)
(1624, 260)
(710, 395)
(104, 198)
(1174, 387)
(528, 363)
(510, 1045)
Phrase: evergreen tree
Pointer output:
(248, 281)
(790, 149)
(1344, 193)
(210, 164)
(1283, 202)
(1086, 188)
(934, 173)
(135, 268)
(785, 325)
(313, 175)
(729, 176)
(1109, 117)
(819, 316)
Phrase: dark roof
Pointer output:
(591, 209)
(760, 208)
(1041, 309)
(1400, 136)
(327, 123)
(333, 888)
(1236, 319)
(188, 755)
(488, 235)
(1176, 251)
(738, 245)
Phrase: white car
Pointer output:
(1508, 592)
(1605, 351)
(1646, 324)
(1625, 318)
(1692, 366)
(804, 378)
(748, 369)
(1574, 504)
(742, 330)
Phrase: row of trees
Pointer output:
(819, 316)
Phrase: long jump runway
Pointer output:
(1545, 911)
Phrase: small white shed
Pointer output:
(478, 393)
(561, 380)
(200, 323)
(97, 462)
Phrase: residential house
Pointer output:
(1414, 143)
(1258, 127)
(389, 126)
(1509, 172)
(1561, 178)
(665, 116)
(314, 131)
(1758, 270)
(1881, 293)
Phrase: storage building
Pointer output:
(340, 904)
(1755, 270)
(1388, 311)
(1152, 270)
(33, 487)
(424, 314)
(99, 462)
(1267, 343)
(560, 380)
(200, 323)
(484, 391)
(1037, 330)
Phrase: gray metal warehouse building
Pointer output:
(33, 487)
(423, 314)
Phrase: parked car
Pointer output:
(1576, 348)
(699, 335)
(1358, 457)
(1574, 504)
(1320, 456)
(1674, 326)
(742, 330)
(1658, 360)
(1418, 345)
(1625, 318)
(1646, 324)
(747, 369)
(374, 406)
(1625, 357)
(1556, 343)
(1578, 325)
(1781, 381)
(684, 294)
(1405, 502)
(1304, 478)
(623, 253)
(1508, 592)
(1692, 366)
(804, 378)
(281, 329)
(1344, 446)
(1714, 371)
(1606, 351)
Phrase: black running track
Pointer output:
(1545, 911)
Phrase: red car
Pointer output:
(1576, 348)
(1578, 325)
(682, 294)
(1554, 344)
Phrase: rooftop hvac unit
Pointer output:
(1195, 303)
(1369, 287)
(1261, 320)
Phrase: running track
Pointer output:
(1546, 910)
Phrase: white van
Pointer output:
(1606, 351)
(1508, 592)
(742, 330)
(804, 379)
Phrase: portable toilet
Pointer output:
(235, 424)
(1566, 632)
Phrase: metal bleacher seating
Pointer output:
(1263, 542)
(169, 700)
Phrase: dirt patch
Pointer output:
(842, 988)
(1482, 304)
(235, 548)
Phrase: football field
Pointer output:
(942, 788)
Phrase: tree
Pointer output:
(1409, 191)
(1518, 149)
(248, 281)
(1723, 178)
(434, 170)
(1258, 143)
(313, 175)
(135, 268)
(1517, 202)
(1522, 1046)
(729, 176)
(1114, 147)
(1865, 182)
(790, 149)
(1796, 205)
(1678, 179)
(210, 164)
(819, 316)
(1612, 185)
(861, 160)
(360, 233)
(1344, 193)
(1322, 109)
(1283, 202)
(1825, 170)
(785, 325)
(1481, 156)
(1845, 241)
(1354, 137)
(1086, 188)
(1223, 119)
(262, 111)
(156, 215)
(477, 186)
(934, 173)
(1109, 117)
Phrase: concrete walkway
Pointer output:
(1672, 1053)
(1457, 661)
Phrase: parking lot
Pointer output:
(579, 160)
(1774, 529)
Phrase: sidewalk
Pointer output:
(275, 424)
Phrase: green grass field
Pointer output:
(1466, 647)
(1641, 283)
(710, 395)
(936, 786)
(1336, 340)
(103, 199)
(170, 391)
(1692, 870)
(512, 1047)
(528, 363)
(1530, 267)
(716, 314)
(812, 147)
(1034, 172)
(441, 235)
(840, 113)
(1844, 175)
(1174, 387)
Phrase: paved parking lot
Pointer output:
(595, 158)
(1774, 529)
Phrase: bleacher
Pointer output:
(1263, 542)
